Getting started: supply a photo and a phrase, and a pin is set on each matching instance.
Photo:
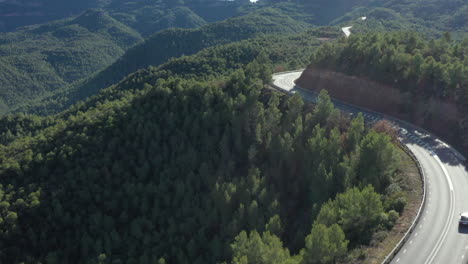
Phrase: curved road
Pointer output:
(436, 238)
(346, 31)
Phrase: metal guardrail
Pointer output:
(406, 236)
(457, 154)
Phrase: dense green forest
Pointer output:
(431, 17)
(38, 60)
(284, 52)
(61, 54)
(145, 16)
(176, 169)
(179, 42)
(52, 62)
(292, 49)
(41, 59)
(425, 69)
(168, 146)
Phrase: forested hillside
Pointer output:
(36, 60)
(431, 17)
(429, 73)
(166, 168)
(41, 59)
(178, 42)
(145, 16)
(54, 66)
(15, 14)
(149, 20)
(284, 53)
(317, 12)
(442, 15)
(173, 43)
(66, 52)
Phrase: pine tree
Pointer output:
(324, 108)
(325, 245)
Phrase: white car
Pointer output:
(463, 219)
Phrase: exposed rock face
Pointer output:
(437, 116)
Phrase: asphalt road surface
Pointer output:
(346, 30)
(437, 237)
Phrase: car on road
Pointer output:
(463, 220)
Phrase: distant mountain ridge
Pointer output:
(18, 13)
(50, 72)
(173, 43)
(39, 59)
(431, 17)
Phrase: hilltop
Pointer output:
(129, 175)
(145, 16)
(37, 60)
(173, 43)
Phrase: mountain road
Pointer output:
(435, 236)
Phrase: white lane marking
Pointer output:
(416, 234)
(445, 172)
(398, 260)
(411, 242)
(463, 256)
(441, 239)
(466, 247)
(404, 251)
(451, 205)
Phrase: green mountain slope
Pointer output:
(150, 19)
(69, 53)
(167, 44)
(429, 78)
(431, 17)
(187, 156)
(40, 59)
(283, 52)
(146, 16)
(442, 15)
(179, 169)
(15, 14)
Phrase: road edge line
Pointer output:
(410, 230)
(400, 244)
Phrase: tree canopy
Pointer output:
(175, 169)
